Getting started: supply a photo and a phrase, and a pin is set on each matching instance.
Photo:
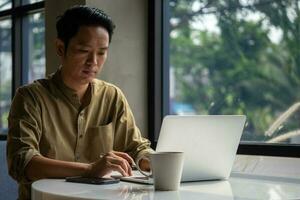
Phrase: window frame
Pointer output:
(16, 13)
(158, 85)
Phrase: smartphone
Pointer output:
(137, 179)
(92, 180)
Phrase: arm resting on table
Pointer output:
(41, 167)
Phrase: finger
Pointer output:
(100, 168)
(129, 169)
(125, 156)
(128, 166)
(122, 163)
(118, 168)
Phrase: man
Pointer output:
(72, 124)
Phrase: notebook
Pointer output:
(209, 143)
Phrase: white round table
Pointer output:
(237, 187)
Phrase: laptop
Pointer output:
(209, 143)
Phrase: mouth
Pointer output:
(89, 72)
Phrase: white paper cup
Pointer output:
(166, 170)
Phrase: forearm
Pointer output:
(41, 167)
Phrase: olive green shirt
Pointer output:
(47, 118)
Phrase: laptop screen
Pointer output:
(209, 143)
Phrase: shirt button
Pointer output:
(80, 136)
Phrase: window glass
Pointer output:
(5, 4)
(5, 72)
(238, 57)
(34, 46)
(24, 2)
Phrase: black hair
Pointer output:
(73, 18)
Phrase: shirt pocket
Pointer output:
(99, 139)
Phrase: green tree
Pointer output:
(238, 70)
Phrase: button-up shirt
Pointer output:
(48, 119)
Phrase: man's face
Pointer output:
(85, 55)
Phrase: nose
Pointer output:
(92, 59)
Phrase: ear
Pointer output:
(60, 47)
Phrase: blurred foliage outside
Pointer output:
(237, 57)
(33, 41)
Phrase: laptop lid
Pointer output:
(209, 143)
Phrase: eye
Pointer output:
(101, 52)
(83, 50)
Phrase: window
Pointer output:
(34, 52)
(22, 49)
(231, 57)
(5, 71)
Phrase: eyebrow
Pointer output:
(103, 48)
(86, 45)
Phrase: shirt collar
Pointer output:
(69, 93)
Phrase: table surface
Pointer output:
(238, 186)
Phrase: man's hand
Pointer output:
(144, 165)
(111, 161)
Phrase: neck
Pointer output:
(80, 91)
(77, 86)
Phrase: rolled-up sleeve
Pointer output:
(24, 133)
(127, 135)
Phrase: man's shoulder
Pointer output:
(109, 92)
(101, 86)
(36, 86)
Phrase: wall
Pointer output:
(54, 8)
(126, 66)
(127, 60)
